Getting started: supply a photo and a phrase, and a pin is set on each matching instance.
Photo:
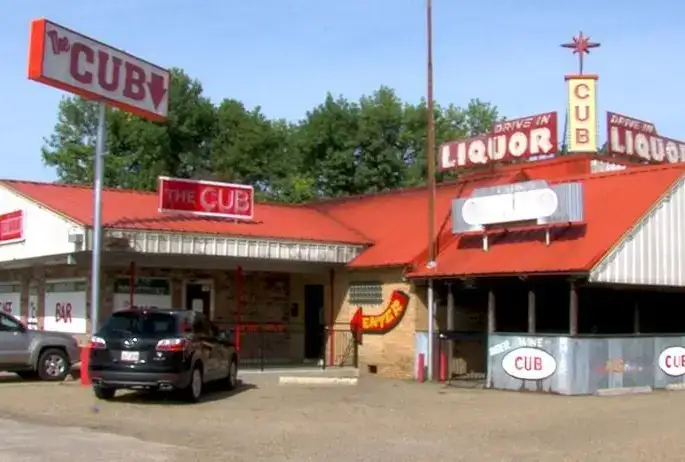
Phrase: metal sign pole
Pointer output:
(97, 218)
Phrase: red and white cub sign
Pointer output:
(210, 198)
(672, 361)
(528, 363)
(508, 140)
(65, 59)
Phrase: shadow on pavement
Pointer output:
(10, 377)
(212, 393)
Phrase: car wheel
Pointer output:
(232, 378)
(53, 365)
(193, 391)
(103, 392)
(27, 375)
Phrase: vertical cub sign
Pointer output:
(582, 116)
(65, 306)
(67, 60)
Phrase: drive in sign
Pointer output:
(508, 140)
(637, 138)
(67, 60)
(209, 198)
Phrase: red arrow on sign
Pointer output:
(157, 89)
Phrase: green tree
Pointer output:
(340, 148)
(137, 150)
(249, 148)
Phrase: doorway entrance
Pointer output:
(313, 321)
(198, 297)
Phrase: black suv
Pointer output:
(154, 349)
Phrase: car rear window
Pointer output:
(147, 324)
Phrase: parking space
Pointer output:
(375, 420)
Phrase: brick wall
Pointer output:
(275, 298)
(392, 353)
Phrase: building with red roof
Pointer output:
(266, 276)
(532, 251)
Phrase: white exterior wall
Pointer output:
(45, 233)
(653, 253)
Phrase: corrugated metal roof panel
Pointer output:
(653, 253)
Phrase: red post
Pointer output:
(131, 283)
(85, 360)
(442, 372)
(331, 319)
(238, 304)
(421, 368)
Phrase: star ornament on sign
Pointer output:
(581, 45)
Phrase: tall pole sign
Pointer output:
(64, 59)
(582, 123)
(430, 159)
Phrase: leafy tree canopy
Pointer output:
(341, 147)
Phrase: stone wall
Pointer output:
(390, 354)
(268, 329)
(272, 316)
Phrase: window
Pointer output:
(366, 293)
(9, 324)
(150, 324)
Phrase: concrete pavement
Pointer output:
(26, 442)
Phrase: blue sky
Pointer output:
(284, 55)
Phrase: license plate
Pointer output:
(131, 356)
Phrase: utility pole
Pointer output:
(430, 186)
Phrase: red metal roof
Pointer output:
(125, 209)
(614, 203)
(394, 223)
(397, 221)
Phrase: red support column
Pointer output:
(331, 318)
(238, 304)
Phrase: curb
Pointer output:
(623, 391)
(675, 386)
(300, 380)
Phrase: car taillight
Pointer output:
(97, 343)
(172, 344)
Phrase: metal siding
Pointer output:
(151, 242)
(587, 365)
(653, 253)
(571, 203)
(458, 224)
(601, 166)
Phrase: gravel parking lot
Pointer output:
(376, 420)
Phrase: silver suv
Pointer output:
(32, 353)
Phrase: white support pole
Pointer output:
(97, 219)
(431, 330)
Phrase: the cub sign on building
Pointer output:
(65, 305)
(208, 198)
